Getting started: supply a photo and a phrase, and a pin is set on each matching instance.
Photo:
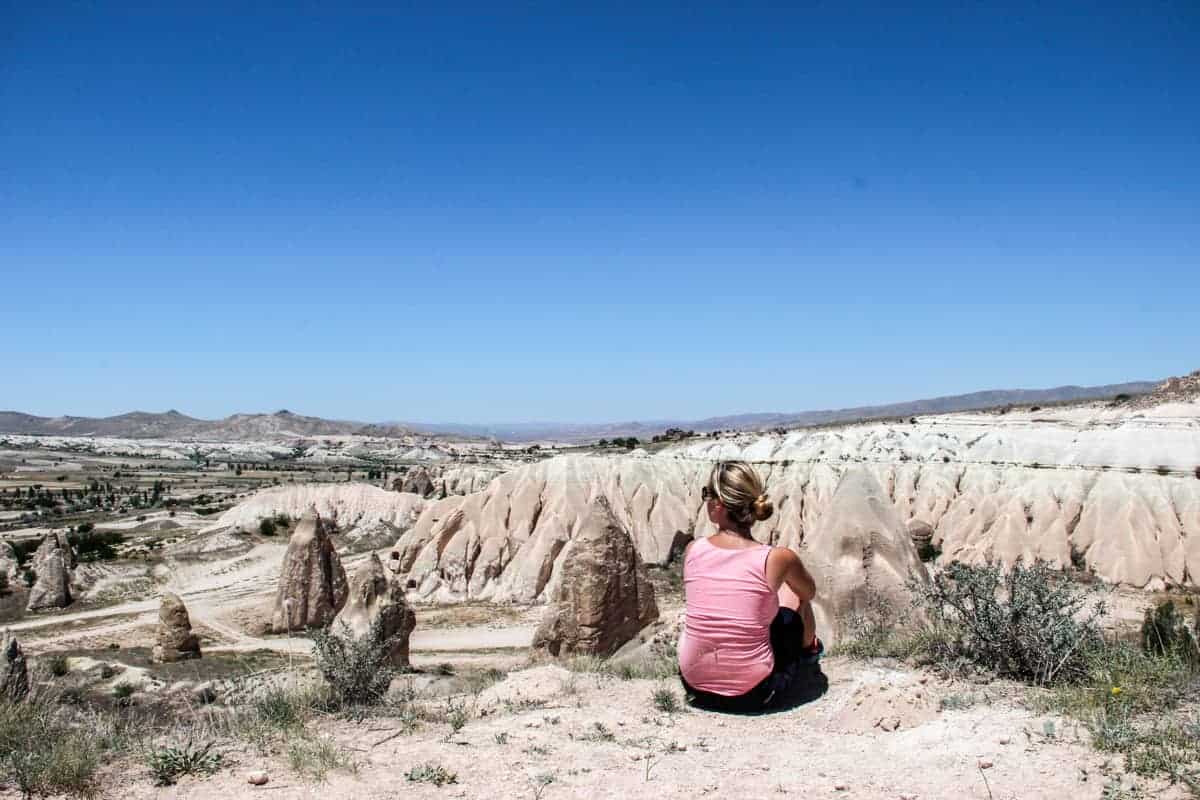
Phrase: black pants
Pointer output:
(787, 642)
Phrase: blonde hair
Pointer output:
(739, 488)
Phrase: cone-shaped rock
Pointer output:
(860, 554)
(52, 563)
(175, 641)
(377, 598)
(14, 679)
(312, 582)
(604, 597)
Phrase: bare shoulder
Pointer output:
(784, 557)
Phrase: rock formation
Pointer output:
(604, 597)
(175, 640)
(377, 598)
(14, 680)
(416, 481)
(861, 555)
(312, 582)
(52, 563)
(921, 533)
(8, 563)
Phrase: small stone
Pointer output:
(985, 763)
(840, 787)
(1005, 740)
(257, 778)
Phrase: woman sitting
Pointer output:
(749, 622)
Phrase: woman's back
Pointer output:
(726, 647)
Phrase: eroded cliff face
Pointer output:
(1115, 492)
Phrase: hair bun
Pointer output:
(762, 507)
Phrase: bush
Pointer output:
(1165, 633)
(58, 665)
(4, 585)
(1025, 624)
(666, 701)
(431, 772)
(357, 669)
(170, 763)
(267, 527)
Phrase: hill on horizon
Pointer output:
(285, 424)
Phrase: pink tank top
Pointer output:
(726, 646)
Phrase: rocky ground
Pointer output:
(879, 731)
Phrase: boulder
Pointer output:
(604, 596)
(52, 563)
(921, 533)
(14, 678)
(377, 605)
(312, 582)
(175, 640)
(861, 556)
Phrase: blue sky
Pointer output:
(565, 212)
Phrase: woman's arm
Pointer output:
(784, 568)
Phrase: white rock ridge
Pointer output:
(1110, 490)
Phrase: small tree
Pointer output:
(267, 527)
(1165, 633)
(358, 669)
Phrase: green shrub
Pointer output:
(357, 669)
(123, 692)
(169, 763)
(1026, 624)
(267, 527)
(58, 665)
(431, 772)
(1165, 632)
(666, 701)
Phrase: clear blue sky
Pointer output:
(579, 214)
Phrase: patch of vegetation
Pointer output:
(57, 665)
(315, 757)
(123, 692)
(357, 669)
(1165, 632)
(1025, 624)
(267, 527)
(431, 772)
(41, 754)
(169, 763)
(92, 545)
(666, 701)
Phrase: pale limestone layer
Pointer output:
(990, 487)
(348, 505)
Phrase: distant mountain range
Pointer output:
(286, 425)
(173, 425)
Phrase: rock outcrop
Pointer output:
(604, 597)
(861, 555)
(175, 640)
(377, 606)
(312, 582)
(52, 563)
(14, 679)
(353, 505)
(416, 481)
(8, 563)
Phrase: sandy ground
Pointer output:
(876, 733)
